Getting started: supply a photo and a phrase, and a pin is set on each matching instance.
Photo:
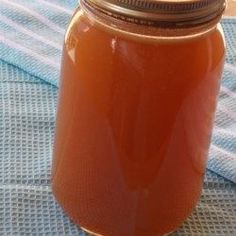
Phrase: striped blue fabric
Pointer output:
(31, 38)
(31, 35)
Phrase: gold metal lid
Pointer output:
(172, 13)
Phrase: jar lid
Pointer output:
(176, 13)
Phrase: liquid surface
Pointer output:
(133, 128)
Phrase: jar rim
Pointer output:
(163, 13)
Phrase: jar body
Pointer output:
(133, 129)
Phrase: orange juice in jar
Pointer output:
(138, 94)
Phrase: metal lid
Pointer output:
(173, 13)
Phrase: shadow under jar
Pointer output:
(139, 87)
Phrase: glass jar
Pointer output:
(139, 87)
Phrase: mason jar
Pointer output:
(138, 94)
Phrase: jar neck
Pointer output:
(150, 31)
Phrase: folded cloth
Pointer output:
(31, 35)
(222, 156)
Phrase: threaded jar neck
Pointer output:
(161, 13)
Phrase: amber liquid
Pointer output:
(133, 128)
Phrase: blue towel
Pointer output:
(31, 36)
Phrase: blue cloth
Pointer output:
(31, 36)
(222, 156)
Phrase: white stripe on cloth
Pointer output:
(224, 131)
(27, 51)
(35, 14)
(20, 28)
(228, 92)
(223, 151)
(230, 68)
(57, 7)
(227, 111)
